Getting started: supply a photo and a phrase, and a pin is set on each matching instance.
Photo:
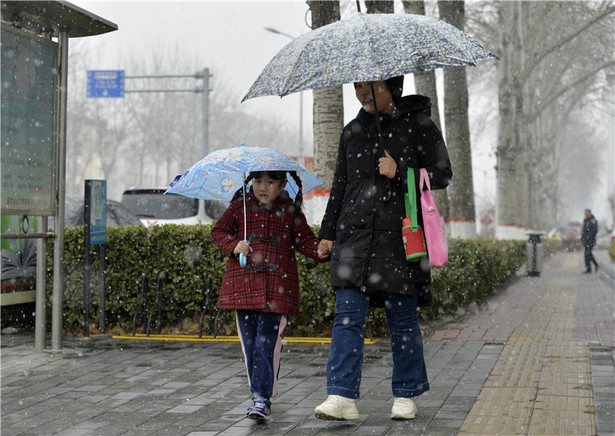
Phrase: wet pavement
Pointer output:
(536, 359)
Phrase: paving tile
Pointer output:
(538, 358)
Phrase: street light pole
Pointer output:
(301, 154)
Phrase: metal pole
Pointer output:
(41, 287)
(87, 204)
(103, 285)
(58, 249)
(205, 112)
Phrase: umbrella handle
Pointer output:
(243, 259)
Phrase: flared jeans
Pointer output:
(409, 377)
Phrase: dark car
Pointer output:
(571, 236)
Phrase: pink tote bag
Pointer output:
(433, 225)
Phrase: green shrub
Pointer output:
(188, 257)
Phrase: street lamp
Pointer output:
(301, 155)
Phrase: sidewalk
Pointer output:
(537, 359)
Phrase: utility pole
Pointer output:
(206, 111)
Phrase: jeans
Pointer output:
(260, 334)
(346, 353)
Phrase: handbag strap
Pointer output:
(424, 180)
(410, 200)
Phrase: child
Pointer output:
(266, 291)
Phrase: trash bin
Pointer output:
(535, 254)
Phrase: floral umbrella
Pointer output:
(222, 172)
(366, 48)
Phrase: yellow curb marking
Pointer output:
(230, 339)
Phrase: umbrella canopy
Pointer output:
(366, 48)
(221, 173)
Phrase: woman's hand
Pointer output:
(387, 166)
(242, 247)
(324, 248)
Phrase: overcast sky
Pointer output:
(227, 37)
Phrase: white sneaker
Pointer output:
(403, 408)
(338, 408)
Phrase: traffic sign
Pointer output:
(106, 84)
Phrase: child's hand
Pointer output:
(242, 247)
(324, 248)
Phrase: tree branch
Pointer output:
(566, 88)
(535, 60)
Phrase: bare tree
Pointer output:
(461, 189)
(146, 139)
(533, 58)
(328, 103)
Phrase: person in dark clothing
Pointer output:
(588, 237)
(362, 231)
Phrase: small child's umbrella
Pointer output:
(222, 172)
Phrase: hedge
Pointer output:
(188, 257)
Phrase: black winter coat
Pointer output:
(590, 230)
(368, 250)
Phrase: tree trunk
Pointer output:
(511, 181)
(425, 84)
(380, 6)
(328, 113)
(461, 189)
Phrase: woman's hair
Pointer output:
(275, 175)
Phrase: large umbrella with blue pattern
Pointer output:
(366, 48)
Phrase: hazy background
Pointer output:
(230, 39)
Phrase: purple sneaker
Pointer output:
(260, 408)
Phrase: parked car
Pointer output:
(118, 215)
(154, 207)
(571, 236)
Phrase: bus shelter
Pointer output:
(35, 36)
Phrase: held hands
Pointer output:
(387, 165)
(242, 247)
(324, 248)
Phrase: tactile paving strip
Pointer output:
(541, 383)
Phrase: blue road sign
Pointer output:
(106, 84)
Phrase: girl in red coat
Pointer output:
(266, 292)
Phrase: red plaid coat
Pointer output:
(270, 282)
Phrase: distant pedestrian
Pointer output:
(588, 237)
(266, 291)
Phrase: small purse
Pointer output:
(435, 231)
(412, 234)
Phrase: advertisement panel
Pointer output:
(27, 122)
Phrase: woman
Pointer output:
(361, 230)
